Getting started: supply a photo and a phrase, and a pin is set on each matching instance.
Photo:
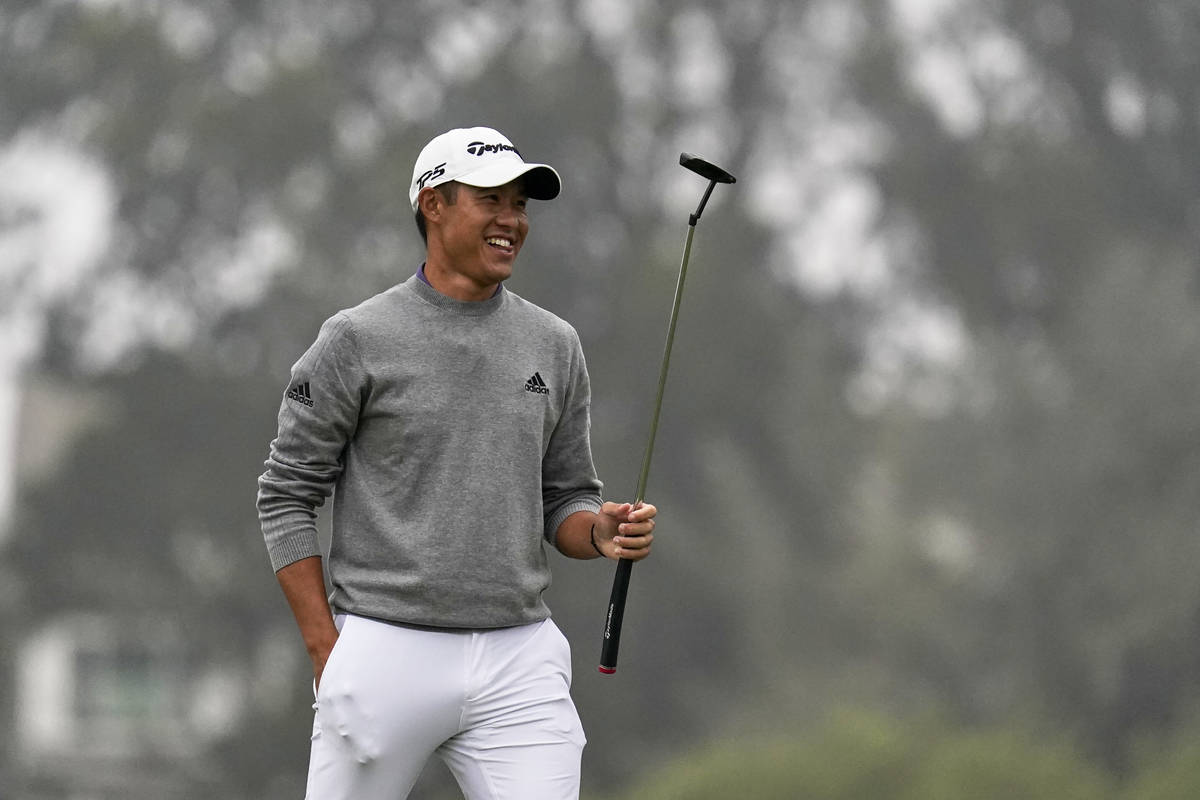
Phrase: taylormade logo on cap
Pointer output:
(479, 148)
(479, 157)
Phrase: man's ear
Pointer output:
(431, 204)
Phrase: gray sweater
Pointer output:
(456, 436)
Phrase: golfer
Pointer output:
(450, 418)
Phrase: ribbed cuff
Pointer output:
(287, 544)
(587, 503)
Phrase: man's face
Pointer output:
(483, 231)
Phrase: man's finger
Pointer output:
(635, 528)
(612, 509)
(634, 541)
(644, 511)
(634, 552)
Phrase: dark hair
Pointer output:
(449, 192)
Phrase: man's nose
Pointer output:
(509, 215)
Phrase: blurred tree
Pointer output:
(151, 527)
(927, 437)
(1166, 767)
(1049, 512)
(1004, 764)
(865, 756)
(852, 756)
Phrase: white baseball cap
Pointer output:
(479, 157)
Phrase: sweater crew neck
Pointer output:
(421, 287)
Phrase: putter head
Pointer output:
(705, 169)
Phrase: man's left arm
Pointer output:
(618, 530)
(578, 523)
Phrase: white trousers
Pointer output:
(495, 705)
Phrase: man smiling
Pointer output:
(478, 232)
(451, 417)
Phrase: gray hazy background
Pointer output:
(929, 467)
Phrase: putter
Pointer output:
(620, 589)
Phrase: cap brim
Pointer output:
(541, 180)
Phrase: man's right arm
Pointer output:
(317, 418)
(303, 584)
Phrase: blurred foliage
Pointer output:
(1167, 770)
(855, 755)
(929, 439)
(859, 755)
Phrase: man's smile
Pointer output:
(502, 243)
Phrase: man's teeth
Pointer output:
(500, 241)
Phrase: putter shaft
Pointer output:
(666, 365)
(620, 589)
(616, 603)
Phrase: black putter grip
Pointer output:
(616, 612)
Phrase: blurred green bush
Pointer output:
(1167, 772)
(858, 755)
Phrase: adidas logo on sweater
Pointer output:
(536, 385)
(301, 394)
